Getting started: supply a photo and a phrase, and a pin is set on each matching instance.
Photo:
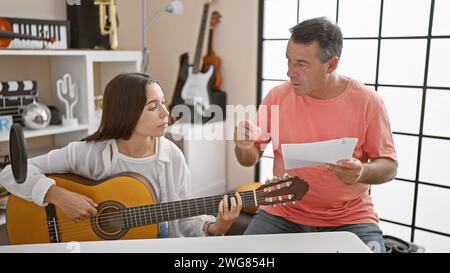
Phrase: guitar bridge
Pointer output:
(52, 227)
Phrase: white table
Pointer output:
(328, 242)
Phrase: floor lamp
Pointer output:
(174, 6)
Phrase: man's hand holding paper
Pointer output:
(336, 154)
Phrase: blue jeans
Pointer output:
(265, 223)
(163, 230)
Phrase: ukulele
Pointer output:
(127, 209)
(211, 59)
(197, 88)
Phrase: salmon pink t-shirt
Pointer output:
(358, 112)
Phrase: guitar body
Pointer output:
(214, 60)
(198, 86)
(27, 223)
(181, 80)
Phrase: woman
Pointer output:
(129, 139)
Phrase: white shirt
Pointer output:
(146, 166)
(166, 170)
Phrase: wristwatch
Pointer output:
(205, 228)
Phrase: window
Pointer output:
(404, 59)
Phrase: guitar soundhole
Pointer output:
(109, 224)
(110, 220)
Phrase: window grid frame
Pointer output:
(429, 37)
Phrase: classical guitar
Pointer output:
(127, 209)
(197, 88)
(211, 59)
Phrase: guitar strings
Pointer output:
(117, 215)
(72, 228)
(148, 208)
(66, 234)
(178, 209)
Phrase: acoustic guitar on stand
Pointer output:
(127, 209)
(211, 59)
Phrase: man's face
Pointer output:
(305, 70)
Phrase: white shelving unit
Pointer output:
(50, 130)
(80, 64)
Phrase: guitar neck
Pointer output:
(210, 41)
(153, 214)
(198, 50)
(8, 34)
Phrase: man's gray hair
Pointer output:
(327, 34)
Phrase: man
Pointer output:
(318, 104)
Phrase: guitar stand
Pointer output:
(219, 98)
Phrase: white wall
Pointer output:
(41, 9)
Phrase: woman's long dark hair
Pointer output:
(123, 100)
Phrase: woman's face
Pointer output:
(154, 117)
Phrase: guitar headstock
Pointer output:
(215, 19)
(281, 191)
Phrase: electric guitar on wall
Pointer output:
(197, 88)
(127, 209)
(181, 80)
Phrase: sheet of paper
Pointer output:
(317, 153)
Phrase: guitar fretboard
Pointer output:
(152, 214)
(210, 40)
(198, 50)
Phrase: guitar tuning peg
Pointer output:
(293, 202)
(284, 204)
(280, 198)
(278, 187)
(267, 181)
(286, 175)
(268, 199)
(273, 205)
(290, 196)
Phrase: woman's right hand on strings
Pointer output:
(75, 206)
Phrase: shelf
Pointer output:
(91, 70)
(93, 55)
(50, 130)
